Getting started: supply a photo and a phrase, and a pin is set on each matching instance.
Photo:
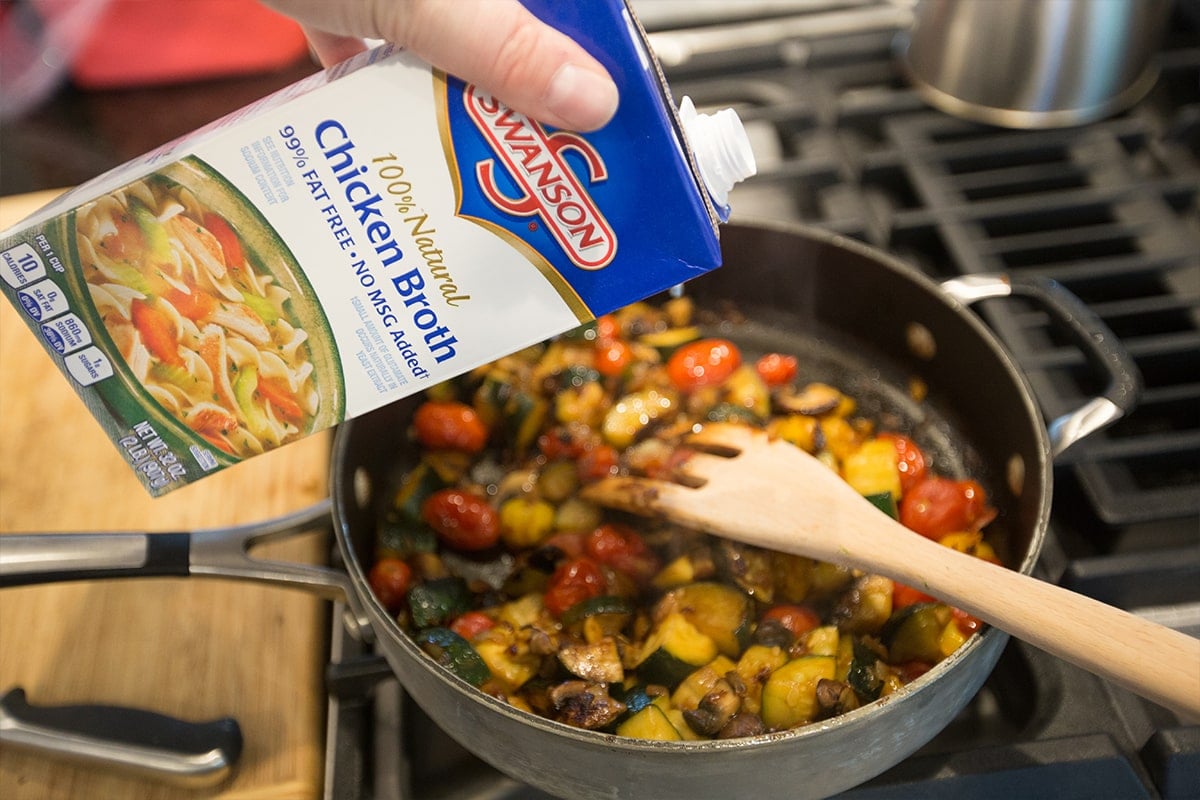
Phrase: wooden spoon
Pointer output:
(769, 493)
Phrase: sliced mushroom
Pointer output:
(834, 698)
(714, 710)
(865, 606)
(585, 705)
(743, 724)
(813, 400)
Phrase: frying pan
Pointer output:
(856, 318)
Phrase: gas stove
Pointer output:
(1112, 211)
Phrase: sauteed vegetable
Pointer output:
(491, 559)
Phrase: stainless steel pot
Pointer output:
(857, 318)
(1033, 63)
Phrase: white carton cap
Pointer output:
(720, 146)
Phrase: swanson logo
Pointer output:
(550, 189)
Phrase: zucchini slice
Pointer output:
(724, 614)
(674, 650)
(789, 697)
(606, 614)
(863, 676)
(668, 341)
(432, 603)
(455, 654)
(914, 633)
(649, 723)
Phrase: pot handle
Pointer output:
(1099, 344)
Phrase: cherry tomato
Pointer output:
(937, 506)
(471, 624)
(613, 356)
(622, 549)
(231, 246)
(565, 441)
(569, 542)
(702, 363)
(911, 670)
(776, 369)
(390, 580)
(574, 581)
(797, 619)
(607, 327)
(462, 520)
(910, 460)
(599, 461)
(903, 595)
(450, 425)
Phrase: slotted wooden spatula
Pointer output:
(769, 493)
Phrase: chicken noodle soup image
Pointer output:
(205, 329)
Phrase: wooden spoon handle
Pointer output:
(1152, 660)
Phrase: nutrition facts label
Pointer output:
(23, 268)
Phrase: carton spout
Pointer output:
(721, 148)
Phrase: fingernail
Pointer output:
(584, 100)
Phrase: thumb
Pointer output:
(496, 44)
(501, 47)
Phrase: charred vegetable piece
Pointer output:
(585, 705)
(866, 607)
(599, 662)
(509, 660)
(789, 697)
(435, 602)
(755, 668)
(720, 612)
(709, 678)
(863, 675)
(455, 654)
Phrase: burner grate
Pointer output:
(1110, 210)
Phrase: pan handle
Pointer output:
(27, 559)
(1099, 344)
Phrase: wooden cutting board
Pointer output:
(193, 648)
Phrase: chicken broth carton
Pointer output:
(357, 237)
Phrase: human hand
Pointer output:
(496, 44)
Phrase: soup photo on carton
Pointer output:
(359, 236)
